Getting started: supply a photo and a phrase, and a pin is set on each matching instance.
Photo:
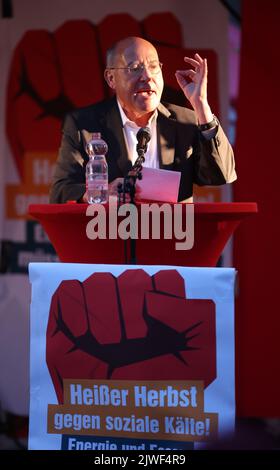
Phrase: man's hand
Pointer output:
(113, 186)
(113, 190)
(193, 83)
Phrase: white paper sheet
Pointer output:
(158, 185)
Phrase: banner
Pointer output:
(130, 357)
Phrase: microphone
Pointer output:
(143, 136)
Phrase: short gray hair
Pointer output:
(110, 55)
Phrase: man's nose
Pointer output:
(145, 73)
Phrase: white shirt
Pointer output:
(130, 130)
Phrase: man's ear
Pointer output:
(110, 78)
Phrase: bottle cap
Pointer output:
(96, 135)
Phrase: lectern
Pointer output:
(214, 223)
(156, 322)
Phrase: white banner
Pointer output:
(130, 357)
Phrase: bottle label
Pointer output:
(97, 184)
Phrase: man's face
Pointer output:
(138, 92)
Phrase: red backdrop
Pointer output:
(256, 246)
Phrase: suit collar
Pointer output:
(113, 134)
(163, 110)
(166, 137)
(113, 130)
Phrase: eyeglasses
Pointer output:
(136, 69)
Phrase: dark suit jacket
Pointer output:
(182, 148)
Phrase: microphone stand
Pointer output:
(128, 187)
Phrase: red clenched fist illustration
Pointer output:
(50, 74)
(134, 327)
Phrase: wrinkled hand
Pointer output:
(138, 191)
(113, 186)
(113, 190)
(193, 82)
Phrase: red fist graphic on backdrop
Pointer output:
(133, 327)
(50, 74)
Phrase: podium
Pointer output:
(210, 306)
(214, 223)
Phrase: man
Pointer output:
(191, 142)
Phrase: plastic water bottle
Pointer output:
(97, 171)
